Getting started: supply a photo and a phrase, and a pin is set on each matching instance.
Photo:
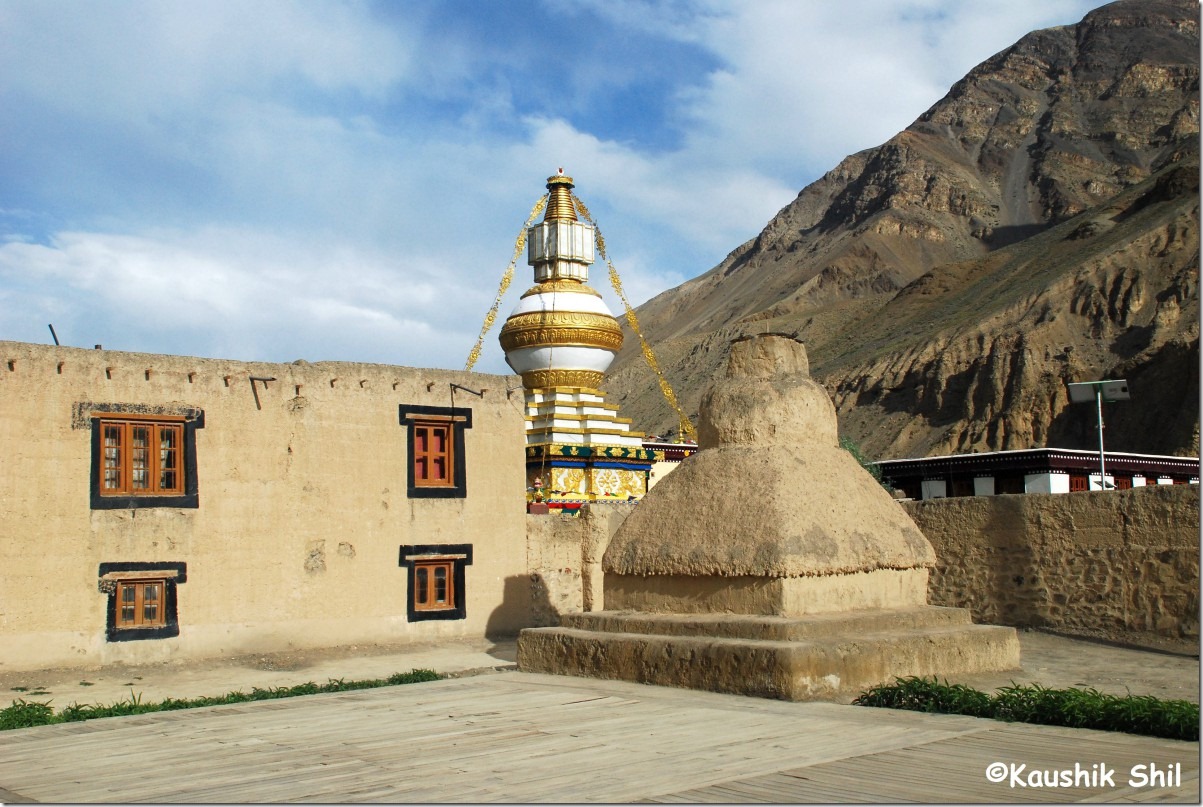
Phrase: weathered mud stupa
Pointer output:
(770, 563)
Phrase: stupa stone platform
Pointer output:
(822, 656)
(770, 563)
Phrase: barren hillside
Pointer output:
(1036, 226)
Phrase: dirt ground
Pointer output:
(1052, 661)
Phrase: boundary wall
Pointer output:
(1116, 565)
(1121, 566)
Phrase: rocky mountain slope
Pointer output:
(1038, 225)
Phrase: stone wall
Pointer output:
(303, 506)
(1118, 565)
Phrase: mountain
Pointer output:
(1038, 225)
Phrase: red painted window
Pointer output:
(434, 463)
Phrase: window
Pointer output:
(436, 579)
(141, 599)
(1078, 483)
(434, 585)
(436, 450)
(143, 459)
(434, 457)
(140, 603)
(1123, 482)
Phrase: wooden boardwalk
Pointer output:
(516, 737)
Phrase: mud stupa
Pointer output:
(770, 563)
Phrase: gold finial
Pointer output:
(559, 202)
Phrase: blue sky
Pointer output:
(345, 180)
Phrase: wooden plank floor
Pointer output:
(520, 737)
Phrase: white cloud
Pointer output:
(258, 297)
(142, 57)
(275, 180)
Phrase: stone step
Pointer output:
(741, 626)
(819, 668)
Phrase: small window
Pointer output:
(434, 585)
(436, 450)
(143, 460)
(1123, 483)
(140, 604)
(1078, 483)
(142, 599)
(436, 579)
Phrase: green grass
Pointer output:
(24, 714)
(1032, 703)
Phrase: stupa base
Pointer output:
(817, 657)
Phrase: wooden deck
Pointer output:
(515, 737)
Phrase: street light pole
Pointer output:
(1111, 390)
(1098, 396)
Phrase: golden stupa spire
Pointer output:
(559, 199)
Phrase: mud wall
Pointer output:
(1118, 565)
(564, 555)
(301, 508)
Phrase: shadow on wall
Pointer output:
(524, 604)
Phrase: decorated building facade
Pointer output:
(1035, 470)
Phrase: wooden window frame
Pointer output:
(453, 422)
(432, 591)
(421, 603)
(1079, 483)
(138, 603)
(117, 577)
(162, 467)
(425, 433)
(180, 490)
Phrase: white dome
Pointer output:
(562, 301)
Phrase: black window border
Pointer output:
(410, 554)
(193, 419)
(175, 575)
(460, 419)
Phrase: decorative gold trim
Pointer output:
(568, 285)
(561, 337)
(566, 328)
(546, 379)
(562, 319)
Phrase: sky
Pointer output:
(272, 181)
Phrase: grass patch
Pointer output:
(1032, 703)
(24, 714)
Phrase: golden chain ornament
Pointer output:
(648, 355)
(491, 317)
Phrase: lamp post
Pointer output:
(1099, 391)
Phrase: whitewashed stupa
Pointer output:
(561, 338)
